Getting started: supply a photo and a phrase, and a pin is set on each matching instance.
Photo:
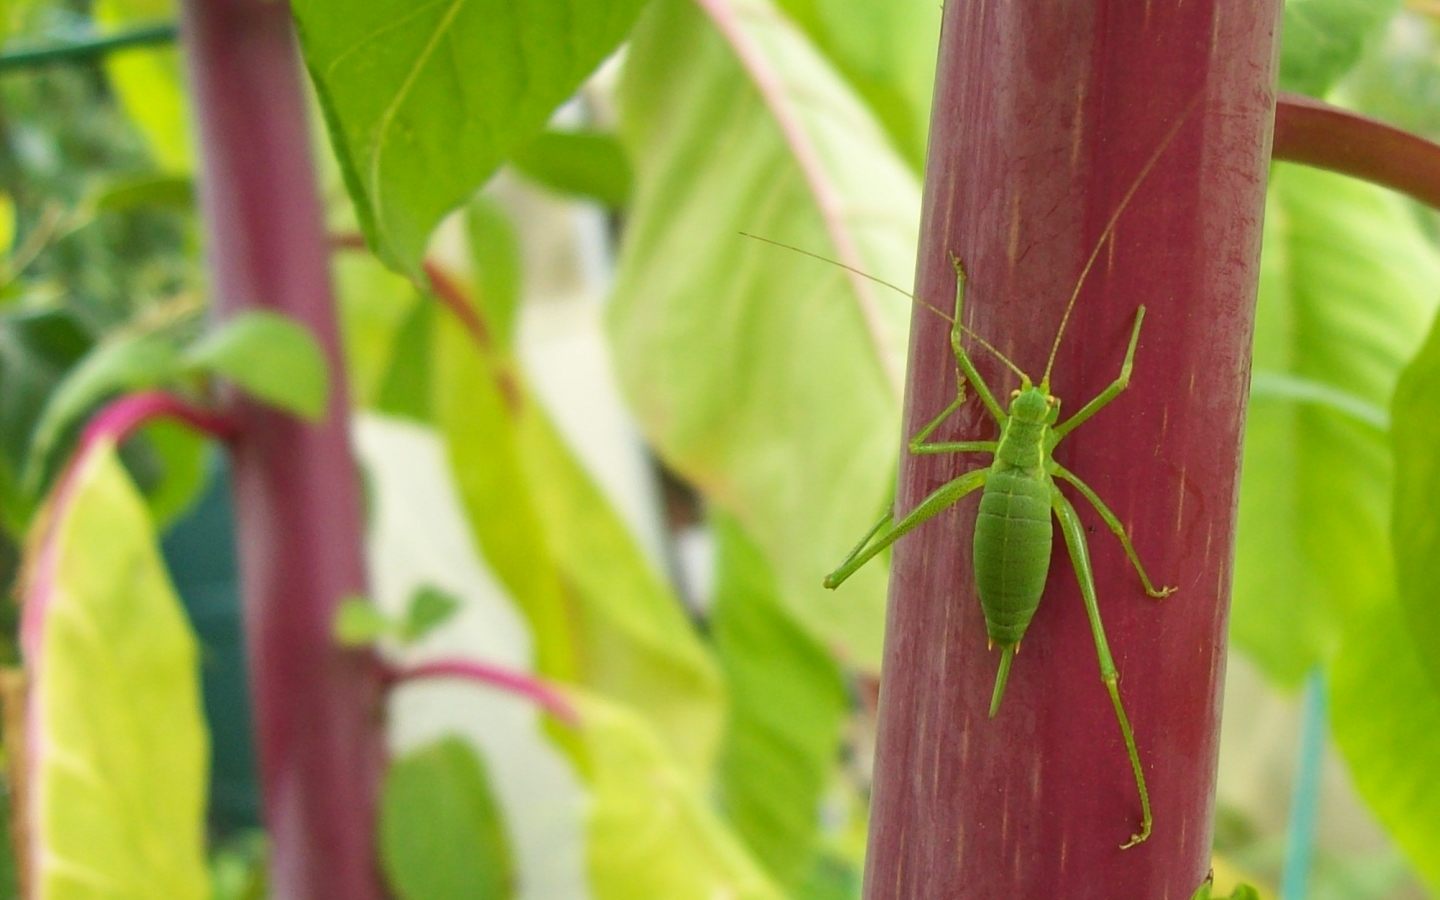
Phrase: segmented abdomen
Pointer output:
(1012, 550)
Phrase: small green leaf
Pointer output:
(358, 623)
(441, 832)
(174, 192)
(425, 101)
(126, 364)
(118, 780)
(270, 356)
(589, 164)
(430, 607)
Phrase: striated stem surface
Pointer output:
(1047, 116)
(318, 707)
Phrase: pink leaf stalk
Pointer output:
(501, 678)
(1047, 115)
(318, 708)
(113, 425)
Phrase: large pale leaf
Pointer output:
(767, 378)
(116, 730)
(1348, 285)
(1325, 38)
(1386, 717)
(787, 707)
(600, 614)
(652, 833)
(426, 99)
(886, 50)
(441, 835)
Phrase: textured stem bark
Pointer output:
(317, 708)
(1046, 113)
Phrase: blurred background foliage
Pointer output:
(640, 419)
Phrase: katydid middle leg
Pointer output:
(1080, 558)
(1113, 522)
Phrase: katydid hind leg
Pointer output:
(1113, 522)
(1111, 392)
(1074, 535)
(886, 533)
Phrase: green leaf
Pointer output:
(375, 305)
(273, 358)
(37, 349)
(181, 453)
(1414, 528)
(148, 83)
(1323, 39)
(119, 771)
(430, 607)
(1347, 288)
(727, 348)
(474, 412)
(1385, 714)
(886, 51)
(125, 364)
(787, 706)
(600, 613)
(173, 192)
(589, 164)
(441, 834)
(495, 252)
(424, 101)
(7, 220)
(652, 834)
(639, 645)
(405, 387)
(358, 623)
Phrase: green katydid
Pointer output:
(1013, 534)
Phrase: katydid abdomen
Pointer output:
(1013, 534)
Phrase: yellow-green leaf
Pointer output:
(116, 727)
(652, 831)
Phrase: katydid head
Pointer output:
(1034, 404)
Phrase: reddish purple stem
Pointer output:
(318, 708)
(1046, 114)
